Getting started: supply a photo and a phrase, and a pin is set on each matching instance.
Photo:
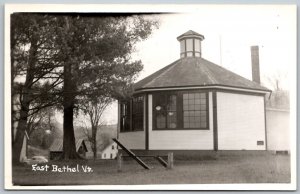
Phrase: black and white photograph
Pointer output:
(150, 97)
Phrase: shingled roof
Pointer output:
(195, 71)
(189, 34)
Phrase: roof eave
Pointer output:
(201, 37)
(226, 87)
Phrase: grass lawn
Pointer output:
(260, 168)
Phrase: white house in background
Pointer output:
(278, 129)
(194, 104)
(110, 152)
(278, 121)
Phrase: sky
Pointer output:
(229, 33)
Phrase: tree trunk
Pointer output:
(25, 103)
(94, 139)
(69, 147)
(12, 77)
(22, 126)
(18, 143)
(69, 90)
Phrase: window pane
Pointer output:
(125, 117)
(185, 107)
(160, 121)
(191, 107)
(171, 120)
(197, 45)
(197, 106)
(202, 101)
(182, 46)
(203, 113)
(194, 110)
(172, 103)
(137, 113)
(186, 124)
(203, 124)
(189, 44)
(165, 110)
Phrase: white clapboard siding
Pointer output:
(133, 140)
(241, 121)
(181, 139)
(278, 130)
(110, 152)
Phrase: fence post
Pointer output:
(170, 160)
(119, 159)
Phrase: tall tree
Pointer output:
(95, 53)
(67, 57)
(94, 110)
(31, 48)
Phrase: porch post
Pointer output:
(215, 120)
(146, 122)
(119, 119)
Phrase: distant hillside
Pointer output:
(104, 135)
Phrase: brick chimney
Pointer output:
(255, 64)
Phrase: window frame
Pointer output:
(140, 113)
(125, 116)
(193, 52)
(206, 111)
(127, 107)
(179, 109)
(166, 95)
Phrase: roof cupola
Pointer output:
(190, 44)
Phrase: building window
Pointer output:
(180, 110)
(137, 113)
(197, 45)
(166, 111)
(182, 47)
(132, 115)
(125, 117)
(189, 47)
(195, 110)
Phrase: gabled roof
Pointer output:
(57, 145)
(195, 71)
